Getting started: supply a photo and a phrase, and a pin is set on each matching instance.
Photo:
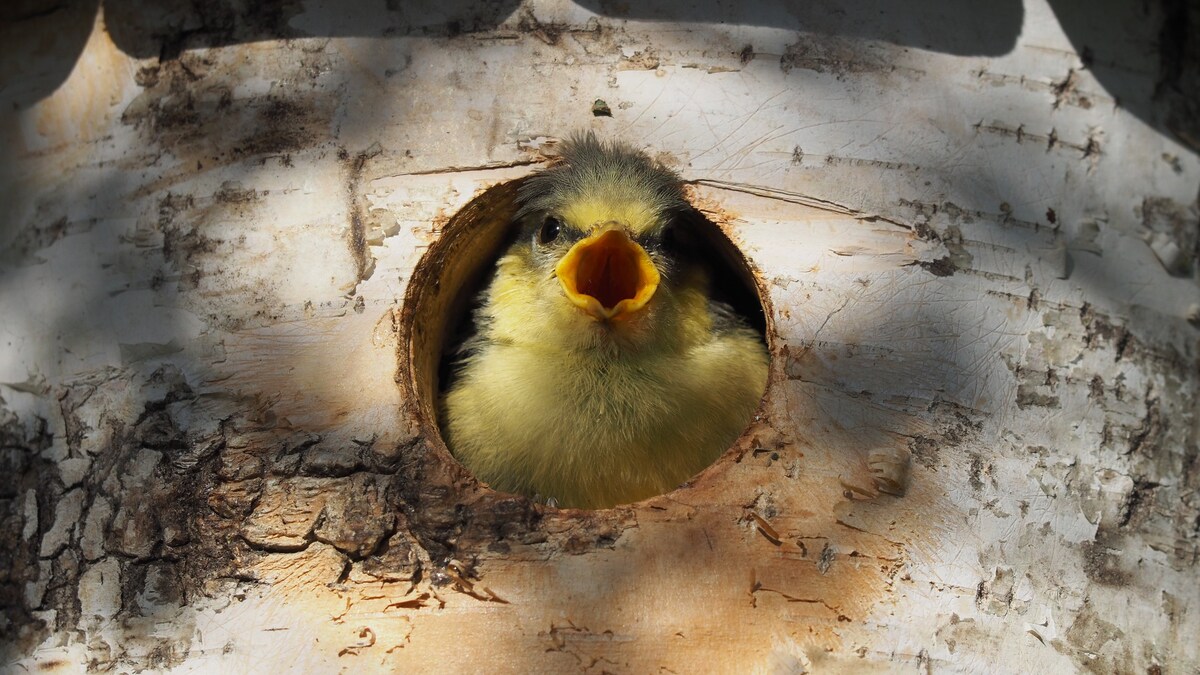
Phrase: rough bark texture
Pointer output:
(975, 228)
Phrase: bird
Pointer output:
(601, 370)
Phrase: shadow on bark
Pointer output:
(188, 483)
(957, 27)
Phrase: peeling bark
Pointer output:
(976, 248)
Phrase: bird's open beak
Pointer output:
(608, 274)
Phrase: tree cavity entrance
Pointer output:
(436, 316)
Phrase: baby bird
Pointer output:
(601, 371)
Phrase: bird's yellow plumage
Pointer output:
(601, 371)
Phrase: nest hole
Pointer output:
(457, 267)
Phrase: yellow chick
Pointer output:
(601, 371)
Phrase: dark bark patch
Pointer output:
(1029, 396)
(942, 267)
(357, 233)
(1101, 561)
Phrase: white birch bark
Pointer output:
(976, 229)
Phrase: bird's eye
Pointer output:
(549, 230)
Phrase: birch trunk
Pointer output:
(974, 230)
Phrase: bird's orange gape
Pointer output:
(608, 274)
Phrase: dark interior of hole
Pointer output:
(731, 281)
(460, 325)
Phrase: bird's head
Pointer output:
(592, 251)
